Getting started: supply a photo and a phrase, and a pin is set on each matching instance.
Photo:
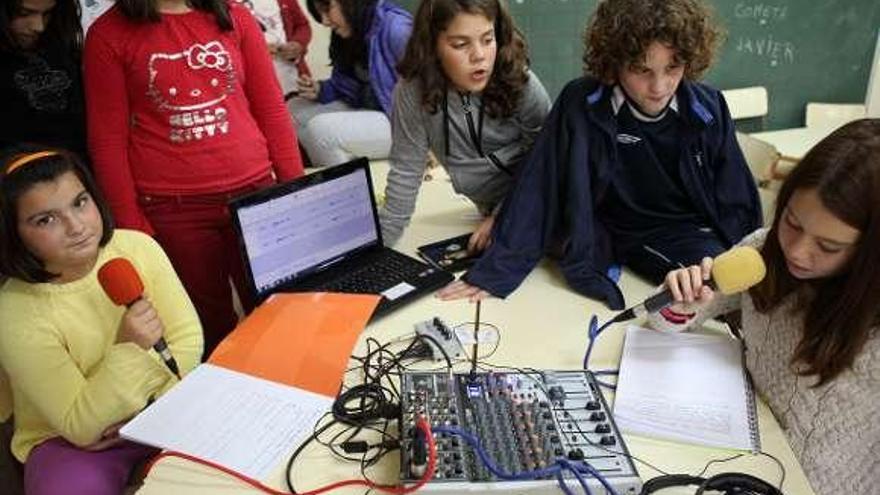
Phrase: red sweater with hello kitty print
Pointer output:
(181, 107)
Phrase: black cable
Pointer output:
(473, 373)
(367, 406)
(437, 345)
(359, 407)
(382, 369)
(373, 404)
(778, 463)
(288, 474)
(717, 461)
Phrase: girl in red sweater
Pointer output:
(184, 112)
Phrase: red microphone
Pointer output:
(123, 285)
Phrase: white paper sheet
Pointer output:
(686, 387)
(239, 421)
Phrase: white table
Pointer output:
(796, 142)
(543, 325)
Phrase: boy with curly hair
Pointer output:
(637, 163)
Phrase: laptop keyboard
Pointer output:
(376, 277)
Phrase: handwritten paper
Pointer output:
(229, 418)
(686, 387)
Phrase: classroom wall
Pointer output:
(801, 51)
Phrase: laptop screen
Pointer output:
(295, 230)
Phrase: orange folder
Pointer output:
(303, 340)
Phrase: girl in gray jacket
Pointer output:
(466, 95)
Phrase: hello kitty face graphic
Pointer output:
(198, 77)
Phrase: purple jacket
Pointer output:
(387, 37)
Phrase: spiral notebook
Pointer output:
(686, 387)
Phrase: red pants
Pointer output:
(197, 234)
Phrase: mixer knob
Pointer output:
(608, 440)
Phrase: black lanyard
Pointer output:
(475, 132)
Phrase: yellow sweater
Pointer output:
(65, 374)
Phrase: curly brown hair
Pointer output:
(620, 32)
(421, 63)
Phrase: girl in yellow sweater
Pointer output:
(76, 366)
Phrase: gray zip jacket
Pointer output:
(481, 160)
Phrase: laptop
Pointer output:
(321, 233)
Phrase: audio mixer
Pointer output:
(529, 424)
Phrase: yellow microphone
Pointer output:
(737, 270)
(732, 271)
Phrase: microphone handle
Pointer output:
(658, 301)
(652, 304)
(162, 348)
(665, 298)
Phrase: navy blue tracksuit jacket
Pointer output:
(565, 176)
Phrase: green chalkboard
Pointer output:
(800, 50)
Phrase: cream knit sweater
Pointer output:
(834, 429)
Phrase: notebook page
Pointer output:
(239, 421)
(685, 387)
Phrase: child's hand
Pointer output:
(482, 237)
(140, 324)
(291, 51)
(460, 290)
(109, 438)
(308, 87)
(687, 287)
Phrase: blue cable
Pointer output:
(555, 470)
(562, 486)
(490, 465)
(592, 335)
(571, 467)
(595, 474)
